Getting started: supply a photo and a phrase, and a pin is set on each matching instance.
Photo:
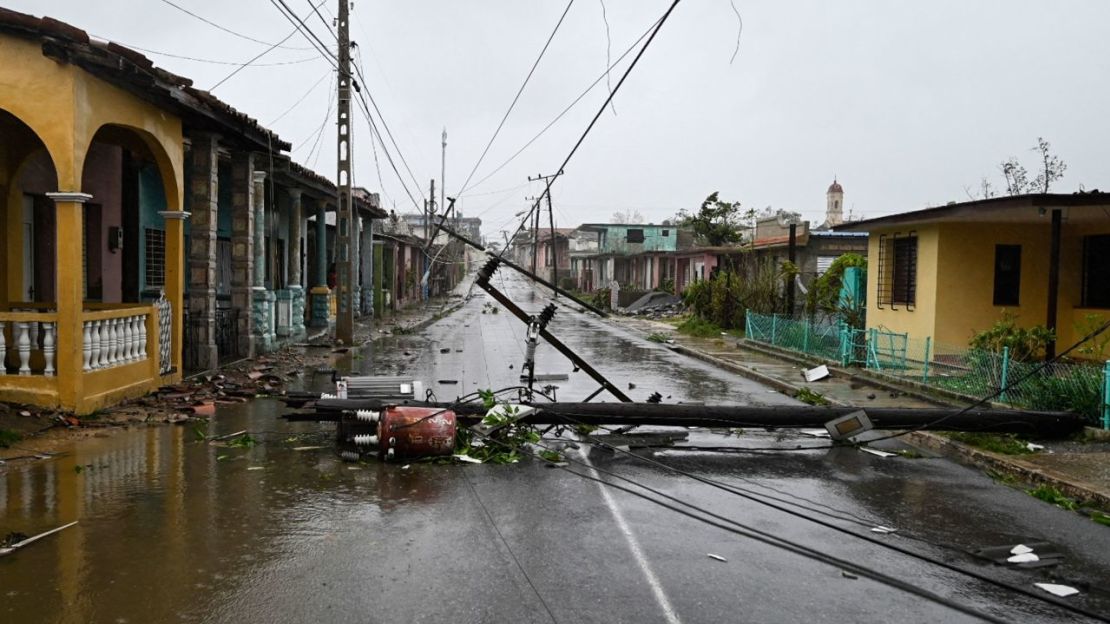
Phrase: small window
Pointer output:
(824, 263)
(1096, 271)
(897, 279)
(666, 232)
(1007, 275)
(904, 276)
(636, 235)
(155, 254)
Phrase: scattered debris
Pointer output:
(877, 452)
(848, 575)
(1062, 591)
(882, 529)
(448, 382)
(1034, 447)
(1026, 557)
(467, 459)
(256, 468)
(15, 541)
(717, 557)
(816, 374)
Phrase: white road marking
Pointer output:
(634, 545)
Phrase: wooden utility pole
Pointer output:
(345, 217)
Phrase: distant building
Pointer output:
(470, 227)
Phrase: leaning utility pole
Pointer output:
(345, 218)
(443, 172)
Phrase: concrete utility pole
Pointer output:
(344, 222)
(551, 221)
(443, 171)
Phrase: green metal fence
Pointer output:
(1077, 386)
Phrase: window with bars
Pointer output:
(635, 235)
(154, 252)
(897, 279)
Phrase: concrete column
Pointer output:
(366, 262)
(204, 195)
(293, 257)
(175, 280)
(356, 266)
(258, 179)
(262, 300)
(69, 295)
(320, 290)
(242, 247)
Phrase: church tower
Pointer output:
(834, 213)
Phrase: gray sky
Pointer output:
(907, 103)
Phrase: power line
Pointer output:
(213, 61)
(516, 98)
(593, 122)
(736, 527)
(308, 33)
(363, 95)
(299, 100)
(227, 30)
(327, 26)
(256, 57)
(578, 99)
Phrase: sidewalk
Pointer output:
(1079, 469)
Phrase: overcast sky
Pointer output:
(906, 103)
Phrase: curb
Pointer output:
(950, 449)
(782, 386)
(969, 455)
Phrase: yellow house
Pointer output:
(951, 271)
(92, 228)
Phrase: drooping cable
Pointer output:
(225, 29)
(516, 98)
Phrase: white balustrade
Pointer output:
(23, 344)
(128, 340)
(86, 346)
(104, 343)
(114, 342)
(48, 349)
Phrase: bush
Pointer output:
(725, 298)
(1025, 344)
(699, 328)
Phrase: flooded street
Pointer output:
(173, 529)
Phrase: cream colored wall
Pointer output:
(966, 277)
(919, 321)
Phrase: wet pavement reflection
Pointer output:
(176, 529)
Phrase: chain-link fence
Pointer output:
(1080, 387)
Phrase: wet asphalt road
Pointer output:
(173, 530)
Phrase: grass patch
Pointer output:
(1002, 477)
(1049, 494)
(811, 397)
(9, 437)
(657, 337)
(1002, 443)
(699, 328)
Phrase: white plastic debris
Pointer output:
(1063, 591)
(876, 452)
(406, 466)
(1023, 558)
(717, 557)
(883, 529)
(1034, 447)
(256, 468)
(816, 374)
(816, 433)
(1020, 549)
(467, 459)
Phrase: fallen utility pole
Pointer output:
(483, 282)
(986, 420)
(524, 271)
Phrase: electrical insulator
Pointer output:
(349, 456)
(365, 440)
(368, 416)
